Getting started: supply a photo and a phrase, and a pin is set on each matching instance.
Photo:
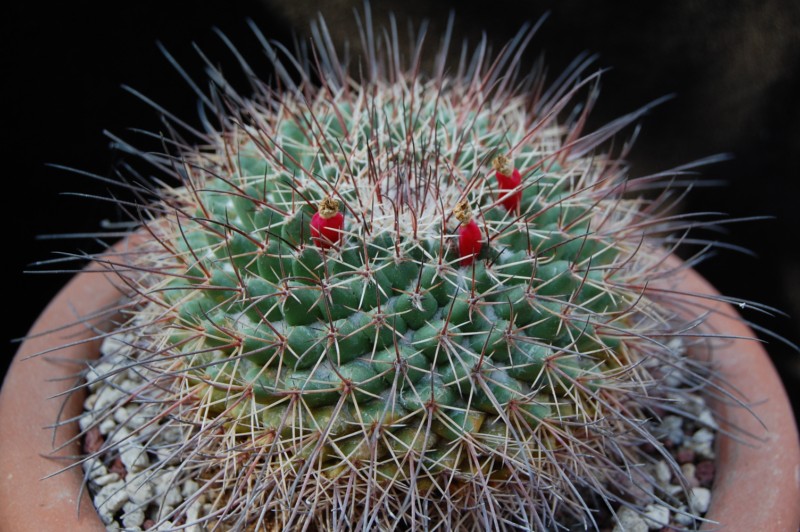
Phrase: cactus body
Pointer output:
(394, 363)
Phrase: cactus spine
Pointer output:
(405, 300)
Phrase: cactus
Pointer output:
(406, 300)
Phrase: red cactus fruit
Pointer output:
(509, 179)
(469, 235)
(327, 223)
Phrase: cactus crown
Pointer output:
(406, 300)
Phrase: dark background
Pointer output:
(734, 67)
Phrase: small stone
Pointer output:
(162, 481)
(167, 456)
(140, 489)
(133, 515)
(656, 516)
(172, 434)
(681, 516)
(702, 442)
(135, 458)
(688, 471)
(673, 376)
(107, 426)
(95, 468)
(173, 496)
(89, 402)
(696, 404)
(194, 513)
(121, 434)
(92, 440)
(189, 488)
(673, 429)
(118, 467)
(106, 479)
(662, 472)
(121, 415)
(685, 455)
(107, 396)
(139, 420)
(109, 500)
(113, 344)
(629, 521)
(706, 418)
(94, 379)
(129, 386)
(704, 473)
(699, 499)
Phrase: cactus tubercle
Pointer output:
(327, 223)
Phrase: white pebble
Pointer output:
(109, 500)
(688, 471)
(189, 488)
(682, 518)
(129, 385)
(656, 516)
(106, 479)
(673, 428)
(86, 421)
(139, 488)
(107, 426)
(699, 499)
(95, 468)
(194, 513)
(138, 420)
(707, 418)
(121, 414)
(133, 516)
(94, 377)
(167, 456)
(663, 472)
(108, 396)
(119, 435)
(702, 442)
(89, 402)
(117, 346)
(630, 521)
(135, 458)
(173, 496)
(172, 434)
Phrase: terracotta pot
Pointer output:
(757, 487)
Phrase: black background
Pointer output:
(734, 67)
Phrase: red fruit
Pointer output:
(469, 235)
(327, 223)
(509, 179)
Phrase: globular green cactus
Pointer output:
(407, 300)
